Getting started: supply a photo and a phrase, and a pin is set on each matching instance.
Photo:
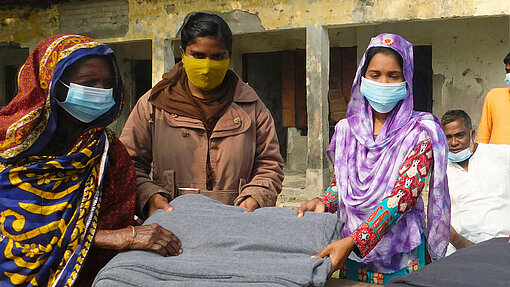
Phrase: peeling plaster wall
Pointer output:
(162, 18)
(471, 66)
(28, 27)
(95, 19)
(298, 13)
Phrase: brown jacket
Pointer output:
(243, 147)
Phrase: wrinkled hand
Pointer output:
(315, 205)
(156, 238)
(338, 252)
(158, 201)
(250, 204)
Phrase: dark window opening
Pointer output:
(342, 70)
(11, 83)
(143, 77)
(264, 72)
(422, 78)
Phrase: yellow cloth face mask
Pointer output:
(205, 74)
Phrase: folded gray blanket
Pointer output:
(222, 246)
(484, 264)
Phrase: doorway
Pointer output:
(12, 58)
(422, 78)
(263, 71)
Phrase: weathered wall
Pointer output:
(162, 18)
(28, 27)
(103, 19)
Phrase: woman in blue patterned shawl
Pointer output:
(67, 186)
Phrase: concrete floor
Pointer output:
(292, 195)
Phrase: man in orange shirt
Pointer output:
(495, 121)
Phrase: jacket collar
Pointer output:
(244, 93)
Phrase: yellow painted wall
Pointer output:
(151, 19)
(166, 16)
(28, 27)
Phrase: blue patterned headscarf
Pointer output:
(49, 204)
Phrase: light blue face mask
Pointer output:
(460, 156)
(507, 79)
(87, 103)
(383, 97)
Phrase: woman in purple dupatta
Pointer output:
(382, 153)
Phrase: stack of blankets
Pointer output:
(223, 246)
(483, 264)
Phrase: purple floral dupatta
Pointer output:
(366, 168)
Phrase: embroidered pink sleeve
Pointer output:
(330, 197)
(405, 194)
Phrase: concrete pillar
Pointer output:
(162, 58)
(317, 85)
(296, 150)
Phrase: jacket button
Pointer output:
(237, 120)
(185, 133)
(213, 145)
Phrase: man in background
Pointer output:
(479, 184)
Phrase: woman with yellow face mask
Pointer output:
(201, 129)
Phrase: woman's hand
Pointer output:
(338, 252)
(315, 205)
(146, 237)
(250, 204)
(156, 238)
(158, 201)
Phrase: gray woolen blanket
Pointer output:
(222, 246)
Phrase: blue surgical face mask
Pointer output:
(383, 97)
(507, 79)
(87, 103)
(460, 156)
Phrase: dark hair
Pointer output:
(507, 59)
(201, 24)
(453, 115)
(383, 50)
